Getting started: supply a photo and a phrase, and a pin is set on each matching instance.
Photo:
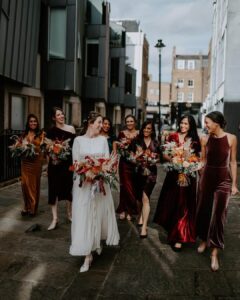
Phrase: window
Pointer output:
(180, 96)
(180, 64)
(180, 83)
(114, 76)
(92, 58)
(128, 83)
(151, 91)
(190, 83)
(191, 64)
(57, 33)
(157, 92)
(18, 112)
(190, 97)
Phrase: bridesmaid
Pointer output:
(176, 206)
(107, 131)
(59, 177)
(218, 180)
(128, 201)
(147, 141)
(31, 168)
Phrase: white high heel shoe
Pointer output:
(99, 250)
(87, 263)
(214, 263)
(53, 225)
(202, 247)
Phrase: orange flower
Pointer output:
(193, 158)
(56, 149)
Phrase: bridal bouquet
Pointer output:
(97, 171)
(58, 150)
(123, 145)
(22, 148)
(183, 160)
(143, 159)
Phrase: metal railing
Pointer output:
(9, 167)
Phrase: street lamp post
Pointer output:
(159, 46)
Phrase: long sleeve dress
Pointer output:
(176, 208)
(93, 217)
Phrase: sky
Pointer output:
(186, 24)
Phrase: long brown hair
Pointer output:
(92, 117)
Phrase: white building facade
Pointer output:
(137, 57)
(225, 63)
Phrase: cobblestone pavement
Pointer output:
(36, 265)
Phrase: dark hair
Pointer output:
(54, 110)
(92, 117)
(27, 128)
(217, 117)
(130, 116)
(192, 132)
(144, 125)
(111, 126)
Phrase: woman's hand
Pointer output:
(234, 190)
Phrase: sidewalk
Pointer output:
(36, 265)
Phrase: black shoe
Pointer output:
(32, 215)
(24, 213)
(139, 225)
(143, 236)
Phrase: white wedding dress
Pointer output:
(93, 218)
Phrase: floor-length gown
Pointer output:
(176, 208)
(31, 170)
(93, 217)
(59, 176)
(128, 197)
(214, 192)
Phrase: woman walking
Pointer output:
(93, 218)
(128, 201)
(59, 177)
(176, 208)
(217, 182)
(146, 145)
(31, 168)
(107, 131)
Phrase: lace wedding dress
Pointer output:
(93, 218)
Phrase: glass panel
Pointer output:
(128, 83)
(92, 58)
(18, 112)
(57, 33)
(114, 79)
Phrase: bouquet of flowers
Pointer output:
(57, 150)
(97, 171)
(143, 159)
(22, 148)
(183, 160)
(123, 145)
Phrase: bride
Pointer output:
(93, 218)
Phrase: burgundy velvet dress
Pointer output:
(60, 179)
(214, 192)
(146, 183)
(176, 208)
(128, 198)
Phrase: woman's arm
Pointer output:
(233, 164)
(75, 150)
